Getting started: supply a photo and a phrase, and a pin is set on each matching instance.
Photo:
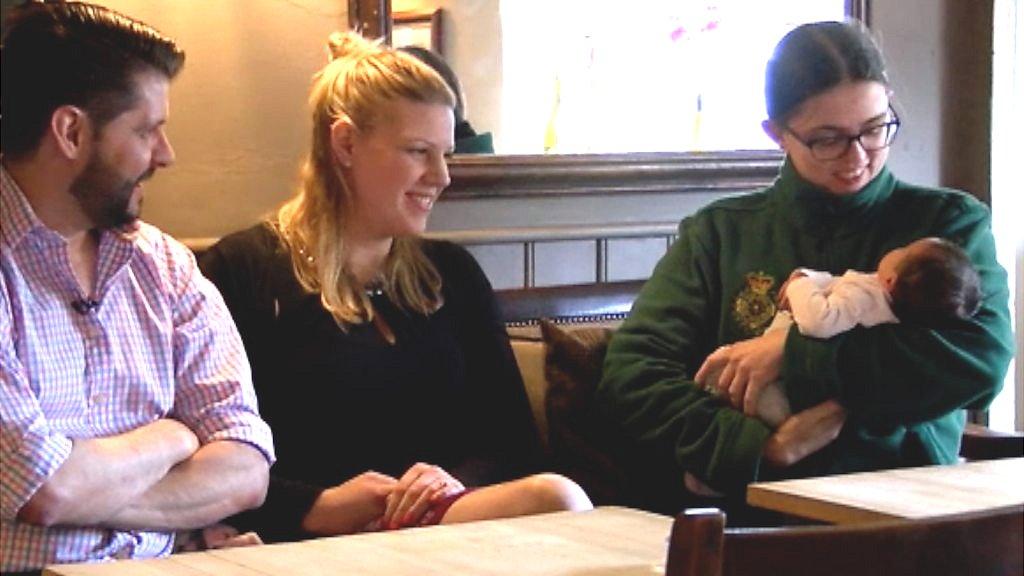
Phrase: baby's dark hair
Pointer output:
(936, 285)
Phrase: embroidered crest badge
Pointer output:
(754, 306)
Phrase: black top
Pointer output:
(340, 403)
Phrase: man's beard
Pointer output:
(106, 196)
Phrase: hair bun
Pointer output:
(349, 45)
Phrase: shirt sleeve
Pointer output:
(30, 451)
(214, 395)
(280, 517)
(647, 385)
(825, 310)
(899, 374)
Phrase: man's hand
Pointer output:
(214, 536)
(804, 434)
(419, 487)
(744, 369)
(224, 536)
(350, 506)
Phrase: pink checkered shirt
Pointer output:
(161, 343)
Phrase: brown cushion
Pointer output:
(572, 365)
(578, 441)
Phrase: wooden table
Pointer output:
(924, 492)
(607, 541)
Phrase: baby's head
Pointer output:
(931, 281)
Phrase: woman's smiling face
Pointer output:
(397, 169)
(844, 111)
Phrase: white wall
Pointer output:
(238, 110)
(472, 47)
(909, 32)
(1007, 411)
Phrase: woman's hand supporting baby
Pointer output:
(743, 369)
(746, 373)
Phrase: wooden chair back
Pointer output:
(989, 543)
(981, 443)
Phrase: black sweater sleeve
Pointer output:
(240, 265)
(505, 440)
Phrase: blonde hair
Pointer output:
(361, 79)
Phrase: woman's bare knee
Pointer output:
(553, 493)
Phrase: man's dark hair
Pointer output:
(71, 53)
(936, 285)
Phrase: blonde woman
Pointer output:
(378, 357)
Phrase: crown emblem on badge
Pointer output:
(754, 306)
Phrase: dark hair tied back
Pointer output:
(815, 57)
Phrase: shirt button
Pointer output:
(97, 398)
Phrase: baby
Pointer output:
(929, 282)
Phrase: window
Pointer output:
(1007, 411)
(687, 76)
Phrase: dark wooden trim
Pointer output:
(488, 176)
(696, 543)
(987, 542)
(372, 18)
(859, 9)
(535, 234)
(433, 18)
(577, 303)
(981, 443)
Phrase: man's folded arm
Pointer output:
(222, 478)
(103, 475)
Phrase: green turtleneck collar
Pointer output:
(819, 212)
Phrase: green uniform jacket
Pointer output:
(904, 387)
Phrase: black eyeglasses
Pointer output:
(870, 139)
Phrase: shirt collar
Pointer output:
(15, 211)
(19, 219)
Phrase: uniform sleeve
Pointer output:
(647, 385)
(504, 436)
(30, 451)
(899, 374)
(214, 394)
